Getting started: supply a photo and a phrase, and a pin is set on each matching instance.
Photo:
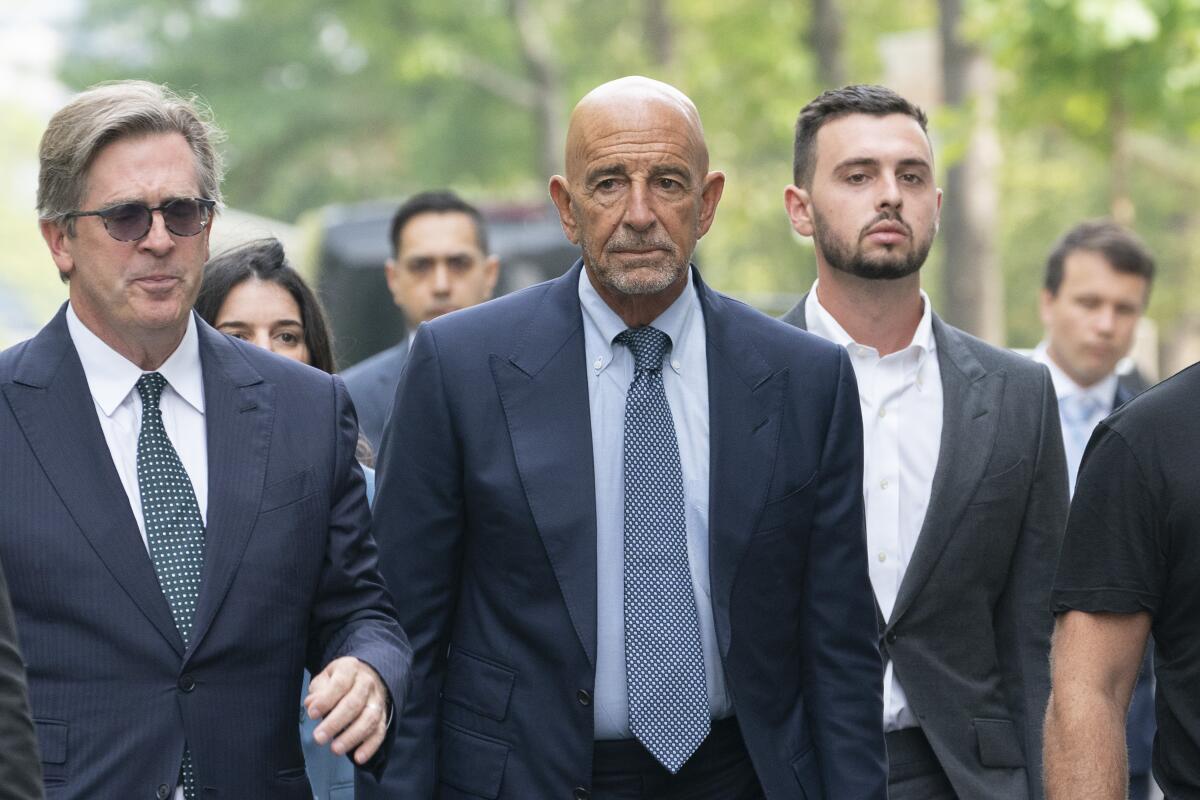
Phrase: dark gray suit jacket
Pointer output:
(970, 631)
(20, 767)
(372, 385)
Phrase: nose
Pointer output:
(1106, 321)
(639, 213)
(441, 279)
(889, 193)
(158, 239)
(263, 339)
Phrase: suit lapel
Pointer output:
(970, 402)
(544, 392)
(53, 405)
(238, 413)
(745, 401)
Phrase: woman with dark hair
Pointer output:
(252, 293)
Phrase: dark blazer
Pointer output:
(20, 767)
(970, 631)
(289, 581)
(486, 520)
(372, 387)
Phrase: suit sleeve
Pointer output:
(843, 671)
(1023, 618)
(20, 766)
(353, 614)
(419, 523)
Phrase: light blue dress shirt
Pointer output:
(685, 379)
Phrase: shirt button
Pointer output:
(883, 484)
(882, 413)
(584, 697)
(163, 792)
(675, 365)
(882, 556)
(598, 363)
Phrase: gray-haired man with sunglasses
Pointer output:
(182, 521)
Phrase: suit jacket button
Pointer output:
(163, 792)
(582, 793)
(891, 637)
(584, 697)
(187, 683)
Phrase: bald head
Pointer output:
(637, 194)
(629, 104)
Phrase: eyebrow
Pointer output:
(605, 171)
(874, 162)
(237, 323)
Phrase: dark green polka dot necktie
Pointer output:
(174, 528)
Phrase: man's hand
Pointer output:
(353, 701)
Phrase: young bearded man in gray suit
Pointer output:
(965, 479)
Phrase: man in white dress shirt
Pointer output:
(182, 520)
(1096, 288)
(964, 481)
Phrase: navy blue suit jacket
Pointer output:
(372, 387)
(486, 523)
(290, 577)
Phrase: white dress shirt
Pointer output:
(1080, 409)
(900, 395)
(685, 381)
(112, 380)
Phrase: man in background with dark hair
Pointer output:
(1096, 288)
(964, 479)
(440, 263)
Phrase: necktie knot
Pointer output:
(1080, 408)
(150, 386)
(648, 346)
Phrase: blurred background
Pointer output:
(1043, 112)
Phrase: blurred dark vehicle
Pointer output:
(352, 246)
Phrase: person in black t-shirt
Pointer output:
(1130, 565)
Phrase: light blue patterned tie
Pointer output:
(1077, 412)
(664, 665)
(174, 527)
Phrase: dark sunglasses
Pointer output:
(128, 222)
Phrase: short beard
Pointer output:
(635, 278)
(884, 267)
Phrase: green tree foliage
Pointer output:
(327, 102)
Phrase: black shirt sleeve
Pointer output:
(1111, 558)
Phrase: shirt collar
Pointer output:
(111, 376)
(822, 323)
(1103, 391)
(674, 321)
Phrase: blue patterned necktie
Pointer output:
(1077, 412)
(664, 665)
(174, 527)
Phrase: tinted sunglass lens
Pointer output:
(185, 217)
(127, 222)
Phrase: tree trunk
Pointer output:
(973, 289)
(826, 32)
(1120, 203)
(656, 25)
(537, 50)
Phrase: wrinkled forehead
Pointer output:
(618, 127)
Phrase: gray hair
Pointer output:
(114, 110)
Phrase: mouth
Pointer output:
(157, 283)
(887, 232)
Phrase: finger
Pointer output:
(344, 712)
(328, 688)
(369, 720)
(371, 746)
